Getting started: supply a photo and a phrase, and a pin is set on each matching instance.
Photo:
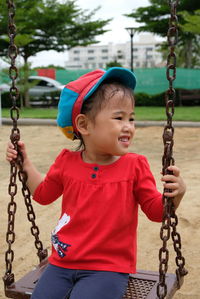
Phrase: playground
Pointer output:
(45, 142)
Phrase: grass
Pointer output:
(186, 113)
(33, 113)
(142, 113)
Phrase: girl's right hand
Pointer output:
(11, 153)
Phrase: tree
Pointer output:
(192, 24)
(154, 18)
(49, 25)
(113, 64)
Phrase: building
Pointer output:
(145, 54)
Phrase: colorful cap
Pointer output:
(75, 92)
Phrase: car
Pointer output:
(41, 89)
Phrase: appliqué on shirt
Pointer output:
(60, 246)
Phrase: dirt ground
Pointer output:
(45, 142)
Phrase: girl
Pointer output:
(102, 185)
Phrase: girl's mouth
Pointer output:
(124, 140)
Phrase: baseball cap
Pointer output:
(76, 92)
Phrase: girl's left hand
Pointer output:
(175, 183)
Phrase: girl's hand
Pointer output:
(175, 183)
(34, 177)
(11, 153)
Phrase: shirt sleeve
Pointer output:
(52, 186)
(149, 198)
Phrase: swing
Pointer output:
(143, 284)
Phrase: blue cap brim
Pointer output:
(125, 76)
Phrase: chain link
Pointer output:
(170, 219)
(18, 163)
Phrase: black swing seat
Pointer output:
(142, 285)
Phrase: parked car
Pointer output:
(42, 89)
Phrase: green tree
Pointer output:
(155, 18)
(113, 64)
(192, 24)
(49, 25)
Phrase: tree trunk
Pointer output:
(188, 53)
(26, 86)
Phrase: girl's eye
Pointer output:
(118, 118)
(131, 119)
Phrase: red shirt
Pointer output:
(98, 225)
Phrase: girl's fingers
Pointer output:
(175, 170)
(11, 153)
(171, 186)
(169, 178)
(171, 194)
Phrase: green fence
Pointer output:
(150, 80)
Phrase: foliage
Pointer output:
(192, 24)
(113, 64)
(49, 25)
(50, 66)
(154, 18)
(158, 100)
(6, 101)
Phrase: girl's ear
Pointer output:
(81, 122)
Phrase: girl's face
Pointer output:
(112, 131)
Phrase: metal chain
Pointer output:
(167, 160)
(18, 163)
(14, 113)
(42, 253)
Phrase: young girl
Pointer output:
(102, 185)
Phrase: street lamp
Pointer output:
(131, 31)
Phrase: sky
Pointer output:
(109, 9)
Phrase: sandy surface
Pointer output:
(44, 143)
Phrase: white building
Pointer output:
(145, 54)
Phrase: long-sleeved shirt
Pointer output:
(97, 229)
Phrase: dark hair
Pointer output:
(100, 97)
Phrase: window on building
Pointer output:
(120, 56)
(135, 57)
(91, 58)
(104, 50)
(149, 49)
(101, 65)
(149, 56)
(90, 51)
(135, 49)
(104, 57)
(76, 51)
(76, 58)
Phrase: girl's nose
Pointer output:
(128, 127)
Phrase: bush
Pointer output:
(6, 101)
(50, 100)
(143, 99)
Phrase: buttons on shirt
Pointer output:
(94, 175)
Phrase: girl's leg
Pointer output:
(55, 283)
(99, 285)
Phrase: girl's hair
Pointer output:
(100, 98)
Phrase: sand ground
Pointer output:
(45, 142)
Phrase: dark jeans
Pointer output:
(61, 283)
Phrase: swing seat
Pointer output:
(142, 285)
